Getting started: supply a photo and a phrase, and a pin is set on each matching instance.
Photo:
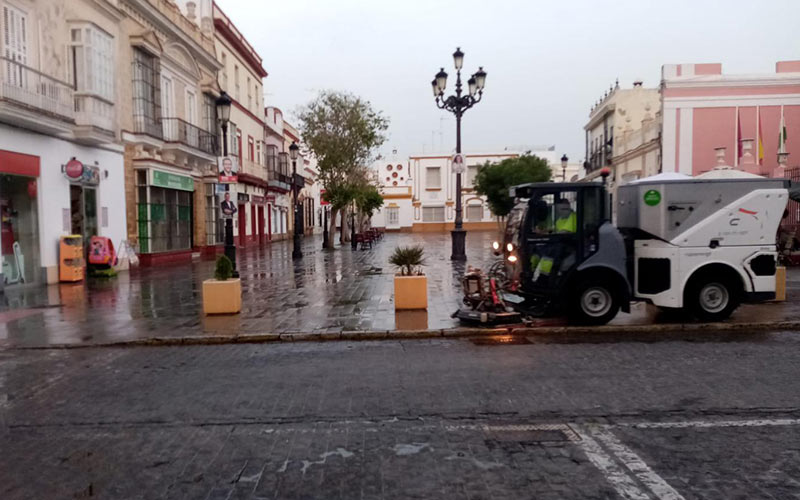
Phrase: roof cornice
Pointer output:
(146, 9)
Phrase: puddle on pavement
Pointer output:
(372, 271)
(501, 340)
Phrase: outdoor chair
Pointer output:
(363, 241)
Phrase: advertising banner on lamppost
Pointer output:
(227, 206)
(458, 163)
(228, 170)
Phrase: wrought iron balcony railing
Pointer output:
(183, 132)
(28, 87)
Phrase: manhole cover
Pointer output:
(501, 340)
(538, 436)
(557, 433)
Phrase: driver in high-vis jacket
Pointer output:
(566, 221)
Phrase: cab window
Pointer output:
(592, 219)
(553, 213)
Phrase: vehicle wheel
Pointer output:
(594, 303)
(712, 298)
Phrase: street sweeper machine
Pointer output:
(704, 244)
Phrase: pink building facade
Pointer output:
(703, 109)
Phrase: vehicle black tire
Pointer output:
(594, 303)
(712, 297)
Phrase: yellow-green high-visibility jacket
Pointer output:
(567, 224)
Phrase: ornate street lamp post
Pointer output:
(458, 104)
(353, 242)
(564, 161)
(325, 226)
(223, 104)
(297, 252)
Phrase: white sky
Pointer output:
(547, 61)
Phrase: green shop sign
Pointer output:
(172, 181)
(652, 197)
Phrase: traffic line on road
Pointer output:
(655, 483)
(712, 423)
(614, 473)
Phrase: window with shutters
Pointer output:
(233, 133)
(236, 82)
(191, 107)
(432, 214)
(224, 70)
(249, 95)
(15, 35)
(146, 93)
(393, 216)
(92, 61)
(15, 46)
(433, 178)
(209, 113)
(472, 173)
(474, 213)
(239, 144)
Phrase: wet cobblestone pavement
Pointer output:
(694, 418)
(327, 291)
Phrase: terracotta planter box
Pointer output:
(222, 297)
(410, 292)
(780, 284)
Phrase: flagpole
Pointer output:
(781, 140)
(758, 138)
(736, 139)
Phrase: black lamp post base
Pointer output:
(325, 236)
(297, 252)
(353, 242)
(230, 248)
(459, 237)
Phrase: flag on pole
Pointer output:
(782, 135)
(760, 138)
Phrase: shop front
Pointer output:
(258, 218)
(241, 224)
(277, 216)
(214, 223)
(164, 216)
(19, 219)
(49, 188)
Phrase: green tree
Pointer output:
(368, 199)
(494, 180)
(343, 131)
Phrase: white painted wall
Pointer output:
(53, 189)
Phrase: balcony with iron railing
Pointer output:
(182, 133)
(33, 99)
(147, 125)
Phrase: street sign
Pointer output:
(458, 163)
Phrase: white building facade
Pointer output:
(57, 104)
(622, 134)
(420, 193)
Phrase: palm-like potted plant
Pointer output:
(410, 284)
(222, 295)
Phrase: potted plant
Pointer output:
(410, 284)
(222, 295)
